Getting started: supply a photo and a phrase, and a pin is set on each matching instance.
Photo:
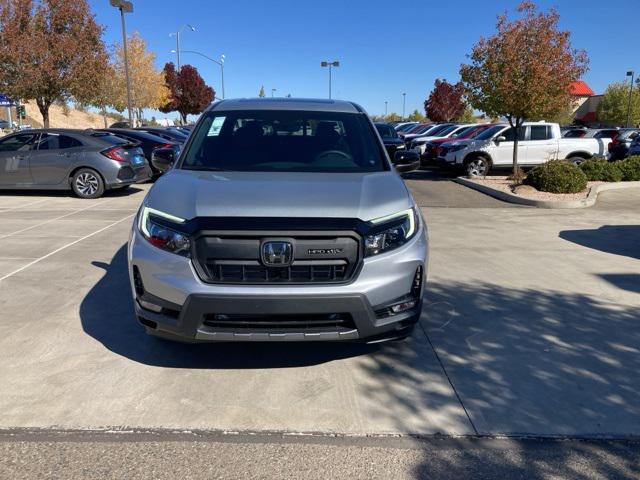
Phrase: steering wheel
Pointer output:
(328, 153)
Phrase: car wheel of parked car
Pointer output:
(576, 160)
(478, 167)
(87, 183)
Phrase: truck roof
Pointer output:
(306, 104)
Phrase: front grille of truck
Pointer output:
(317, 259)
(254, 272)
(299, 323)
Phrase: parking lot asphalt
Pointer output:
(531, 326)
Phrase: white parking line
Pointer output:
(2, 209)
(52, 219)
(24, 267)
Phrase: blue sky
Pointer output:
(385, 48)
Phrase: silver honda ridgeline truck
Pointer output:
(282, 220)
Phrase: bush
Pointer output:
(630, 169)
(600, 170)
(557, 176)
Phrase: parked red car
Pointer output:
(432, 147)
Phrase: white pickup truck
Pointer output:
(538, 143)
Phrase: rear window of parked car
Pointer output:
(540, 132)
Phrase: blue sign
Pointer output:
(5, 101)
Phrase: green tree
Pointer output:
(524, 70)
(261, 93)
(50, 50)
(467, 115)
(416, 116)
(615, 103)
(393, 117)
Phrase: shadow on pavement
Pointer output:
(121, 192)
(624, 281)
(107, 315)
(617, 239)
(535, 361)
(530, 459)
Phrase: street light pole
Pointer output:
(385, 108)
(273, 90)
(404, 98)
(177, 34)
(335, 63)
(220, 62)
(631, 74)
(125, 7)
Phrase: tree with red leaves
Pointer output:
(446, 101)
(524, 70)
(189, 94)
(50, 50)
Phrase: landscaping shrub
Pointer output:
(630, 169)
(557, 176)
(600, 170)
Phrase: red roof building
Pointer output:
(580, 88)
(585, 102)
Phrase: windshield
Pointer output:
(489, 132)
(284, 141)
(448, 130)
(386, 131)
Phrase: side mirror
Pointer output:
(406, 161)
(163, 158)
(501, 138)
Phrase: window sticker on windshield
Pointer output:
(216, 126)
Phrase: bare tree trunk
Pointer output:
(516, 138)
(43, 106)
(104, 116)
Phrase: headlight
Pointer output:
(161, 236)
(402, 226)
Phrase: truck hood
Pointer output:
(188, 194)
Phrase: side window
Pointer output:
(69, 142)
(540, 132)
(50, 141)
(17, 143)
(509, 134)
(606, 134)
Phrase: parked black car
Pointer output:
(619, 146)
(147, 141)
(390, 137)
(166, 133)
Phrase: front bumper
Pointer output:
(188, 304)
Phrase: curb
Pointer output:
(512, 198)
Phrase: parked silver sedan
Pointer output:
(86, 162)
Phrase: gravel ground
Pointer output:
(504, 185)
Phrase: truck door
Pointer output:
(540, 145)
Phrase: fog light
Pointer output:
(149, 306)
(401, 307)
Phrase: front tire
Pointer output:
(87, 183)
(477, 167)
(576, 160)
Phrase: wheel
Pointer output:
(87, 183)
(478, 167)
(576, 160)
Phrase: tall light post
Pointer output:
(177, 35)
(385, 108)
(273, 91)
(125, 7)
(335, 63)
(404, 99)
(219, 62)
(631, 74)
